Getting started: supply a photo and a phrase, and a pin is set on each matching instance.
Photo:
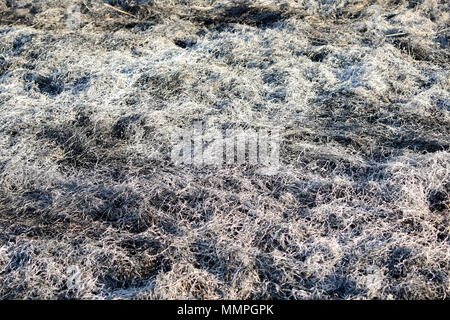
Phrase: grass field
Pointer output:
(93, 207)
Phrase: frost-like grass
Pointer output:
(92, 207)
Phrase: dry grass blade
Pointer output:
(119, 10)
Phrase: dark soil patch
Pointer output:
(252, 15)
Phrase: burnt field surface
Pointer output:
(92, 207)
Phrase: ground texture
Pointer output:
(92, 207)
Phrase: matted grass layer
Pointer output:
(92, 207)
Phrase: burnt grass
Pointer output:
(93, 207)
